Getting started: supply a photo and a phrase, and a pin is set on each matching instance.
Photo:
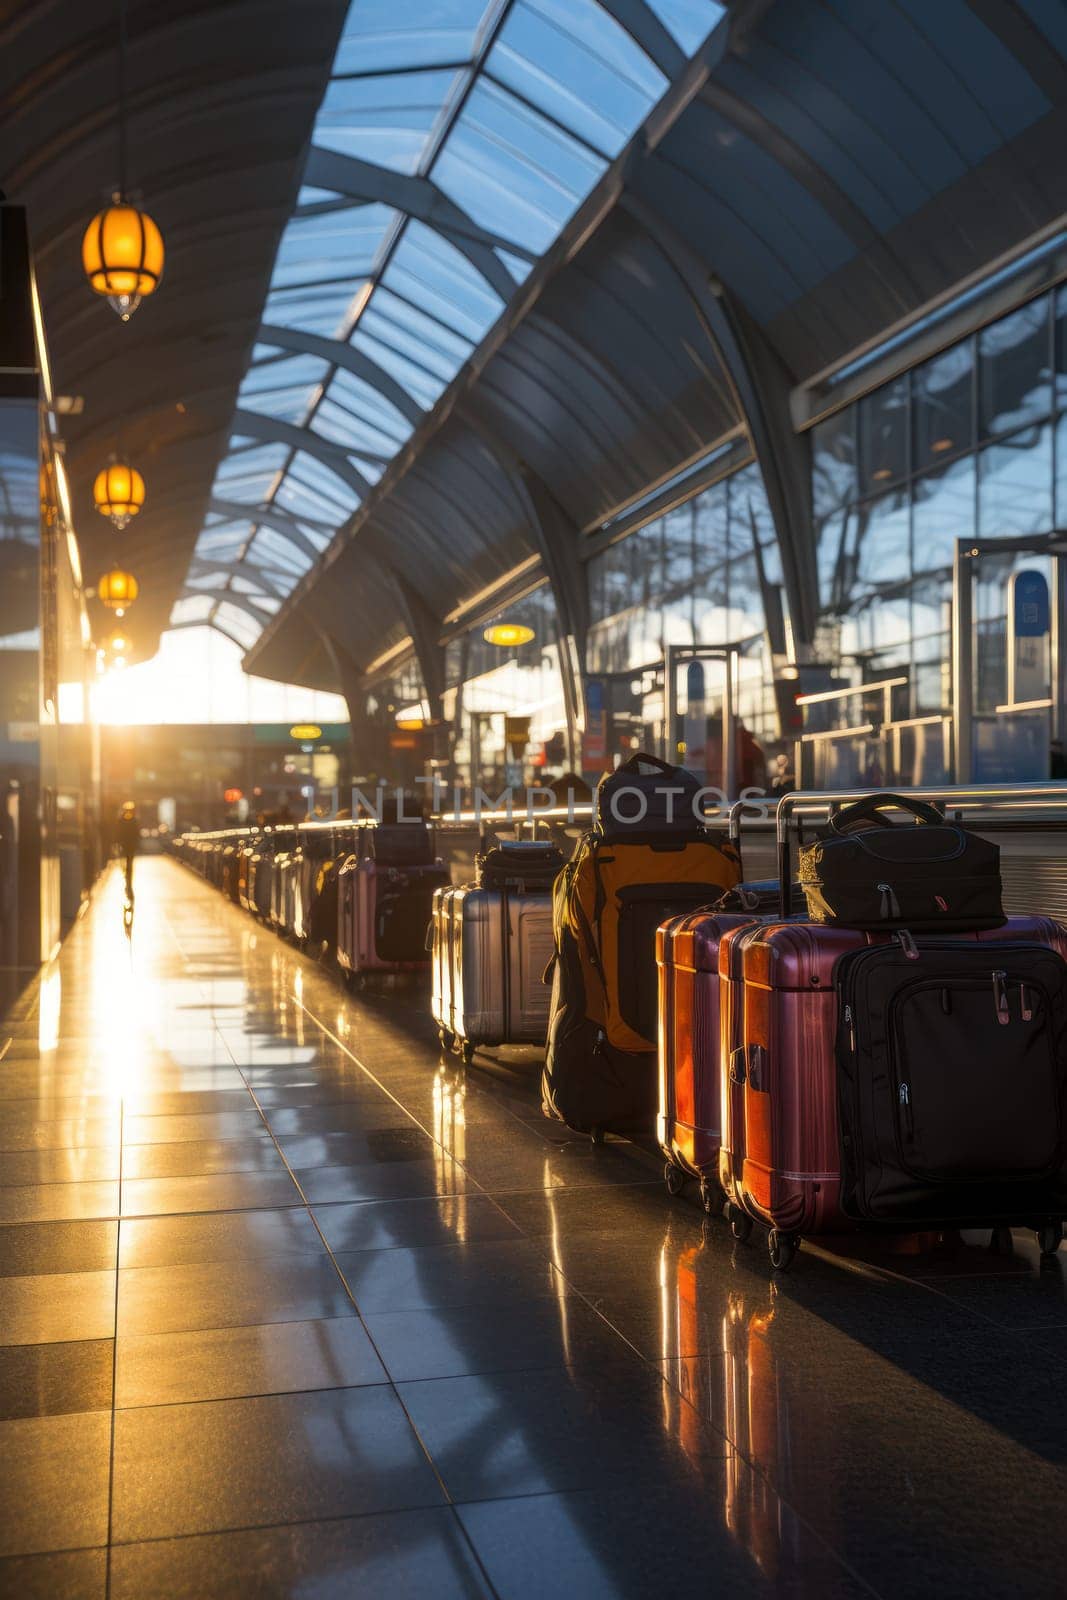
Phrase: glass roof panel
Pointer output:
(332, 247)
(338, 423)
(509, 108)
(420, 382)
(325, 309)
(249, 475)
(369, 406)
(380, 34)
(193, 609)
(406, 328)
(238, 623)
(574, 62)
(512, 170)
(270, 545)
(276, 370)
(690, 21)
(428, 270)
(386, 120)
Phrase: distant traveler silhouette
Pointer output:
(128, 835)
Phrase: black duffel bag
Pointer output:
(518, 864)
(863, 871)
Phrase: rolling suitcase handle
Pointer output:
(733, 825)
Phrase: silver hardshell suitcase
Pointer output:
(491, 944)
(501, 942)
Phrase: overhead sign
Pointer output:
(304, 731)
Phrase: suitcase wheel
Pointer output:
(740, 1222)
(782, 1247)
(674, 1178)
(710, 1196)
(445, 1039)
(467, 1051)
(1049, 1237)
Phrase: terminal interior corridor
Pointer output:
(295, 1307)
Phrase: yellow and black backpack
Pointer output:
(649, 857)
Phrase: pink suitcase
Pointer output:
(383, 906)
(780, 1163)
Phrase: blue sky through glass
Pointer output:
(457, 137)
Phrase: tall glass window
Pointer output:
(972, 444)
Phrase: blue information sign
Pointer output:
(1031, 611)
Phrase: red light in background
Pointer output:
(231, 796)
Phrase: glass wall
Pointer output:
(973, 443)
(506, 702)
(705, 573)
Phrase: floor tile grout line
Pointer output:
(443, 1487)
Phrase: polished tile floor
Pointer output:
(291, 1307)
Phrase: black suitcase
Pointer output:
(952, 1080)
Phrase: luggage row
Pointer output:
(871, 1045)
(360, 892)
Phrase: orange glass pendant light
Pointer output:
(118, 590)
(122, 253)
(122, 248)
(118, 492)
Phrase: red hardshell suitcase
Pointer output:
(688, 1121)
(780, 1157)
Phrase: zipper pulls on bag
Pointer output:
(890, 903)
(1000, 997)
(906, 1114)
(1026, 1003)
(907, 944)
(851, 1029)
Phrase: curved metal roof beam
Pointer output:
(637, 18)
(348, 357)
(421, 199)
(272, 430)
(267, 517)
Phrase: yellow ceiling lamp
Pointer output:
(117, 590)
(118, 645)
(118, 492)
(122, 249)
(508, 634)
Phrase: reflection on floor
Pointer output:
(290, 1307)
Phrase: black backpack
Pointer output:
(863, 871)
(648, 797)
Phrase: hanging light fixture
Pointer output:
(118, 590)
(118, 492)
(118, 644)
(508, 634)
(122, 250)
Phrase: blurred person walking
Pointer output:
(128, 837)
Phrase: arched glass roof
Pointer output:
(455, 140)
